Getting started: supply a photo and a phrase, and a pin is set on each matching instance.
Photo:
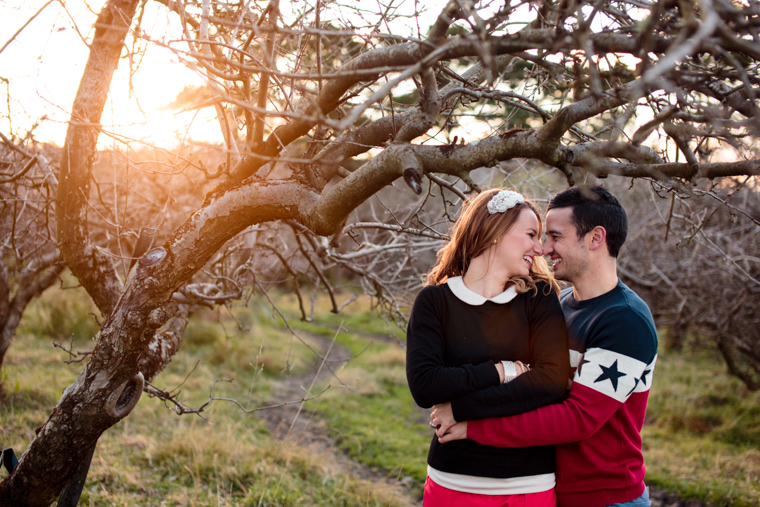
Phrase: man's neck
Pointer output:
(596, 282)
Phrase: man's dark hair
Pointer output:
(595, 206)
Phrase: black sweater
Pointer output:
(453, 341)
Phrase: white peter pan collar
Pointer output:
(460, 290)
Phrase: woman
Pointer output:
(489, 298)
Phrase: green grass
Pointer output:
(157, 458)
(701, 439)
(373, 417)
(703, 432)
(378, 423)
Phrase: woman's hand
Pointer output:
(442, 418)
(456, 432)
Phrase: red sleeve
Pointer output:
(603, 382)
(577, 418)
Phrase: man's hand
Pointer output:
(456, 432)
(442, 418)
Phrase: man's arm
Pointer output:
(577, 418)
(581, 415)
(604, 380)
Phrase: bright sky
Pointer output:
(42, 66)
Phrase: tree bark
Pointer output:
(93, 269)
(57, 451)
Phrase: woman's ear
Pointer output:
(597, 237)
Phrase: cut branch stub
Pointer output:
(123, 400)
(412, 178)
(158, 316)
(412, 171)
(153, 257)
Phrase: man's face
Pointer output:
(568, 253)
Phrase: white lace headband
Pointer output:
(504, 200)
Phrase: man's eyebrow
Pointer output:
(553, 232)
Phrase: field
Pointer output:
(358, 440)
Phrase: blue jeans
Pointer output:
(642, 501)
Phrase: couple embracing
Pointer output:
(519, 421)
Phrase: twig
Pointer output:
(25, 25)
(73, 354)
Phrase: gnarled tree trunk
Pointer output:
(61, 443)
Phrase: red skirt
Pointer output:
(438, 496)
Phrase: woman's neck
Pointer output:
(483, 280)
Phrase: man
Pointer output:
(613, 349)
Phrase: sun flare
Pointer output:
(141, 105)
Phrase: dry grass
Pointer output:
(156, 458)
(701, 437)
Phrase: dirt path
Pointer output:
(293, 422)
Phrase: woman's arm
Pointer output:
(429, 380)
(544, 384)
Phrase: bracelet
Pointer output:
(510, 371)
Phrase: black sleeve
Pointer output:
(544, 384)
(429, 380)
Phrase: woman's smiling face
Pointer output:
(515, 250)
